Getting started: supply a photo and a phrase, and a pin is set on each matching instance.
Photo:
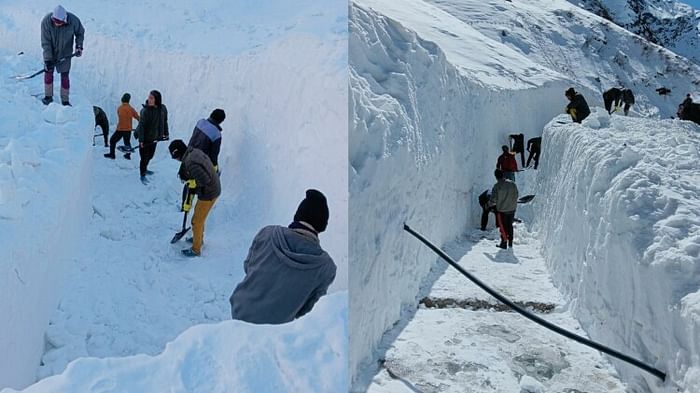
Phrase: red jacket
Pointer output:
(506, 162)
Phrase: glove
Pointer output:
(48, 65)
(216, 168)
(187, 204)
(191, 184)
(78, 51)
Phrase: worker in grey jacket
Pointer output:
(57, 32)
(199, 174)
(286, 270)
(504, 196)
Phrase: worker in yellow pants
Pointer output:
(201, 211)
(197, 170)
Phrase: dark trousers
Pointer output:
(105, 130)
(146, 152)
(125, 135)
(505, 226)
(534, 155)
(485, 216)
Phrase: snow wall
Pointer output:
(423, 144)
(43, 153)
(280, 99)
(618, 209)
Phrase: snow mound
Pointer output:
(306, 355)
(619, 208)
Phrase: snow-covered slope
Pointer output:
(436, 87)
(279, 71)
(307, 355)
(671, 24)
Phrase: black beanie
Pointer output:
(313, 210)
(126, 97)
(177, 149)
(218, 116)
(570, 92)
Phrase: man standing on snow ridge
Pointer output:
(286, 270)
(57, 32)
(206, 136)
(504, 196)
(578, 107)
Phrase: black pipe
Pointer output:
(660, 374)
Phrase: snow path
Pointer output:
(463, 350)
(123, 301)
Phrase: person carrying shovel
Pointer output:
(57, 32)
(197, 170)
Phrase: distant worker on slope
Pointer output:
(578, 107)
(504, 197)
(125, 113)
(286, 270)
(614, 97)
(101, 121)
(518, 143)
(506, 163)
(206, 136)
(533, 146)
(57, 32)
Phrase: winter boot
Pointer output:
(503, 245)
(127, 156)
(47, 100)
(510, 243)
(64, 97)
(110, 155)
(144, 180)
(149, 172)
(188, 252)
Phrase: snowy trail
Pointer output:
(451, 348)
(131, 291)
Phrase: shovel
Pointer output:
(188, 197)
(23, 77)
(526, 198)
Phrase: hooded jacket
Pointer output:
(506, 162)
(57, 41)
(578, 108)
(287, 271)
(197, 165)
(504, 196)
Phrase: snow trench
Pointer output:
(619, 213)
(423, 144)
(270, 154)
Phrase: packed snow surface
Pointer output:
(91, 272)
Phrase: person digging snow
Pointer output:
(286, 269)
(206, 136)
(533, 146)
(58, 29)
(504, 196)
(198, 172)
(578, 107)
(101, 121)
(125, 114)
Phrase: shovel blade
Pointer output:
(179, 235)
(526, 198)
